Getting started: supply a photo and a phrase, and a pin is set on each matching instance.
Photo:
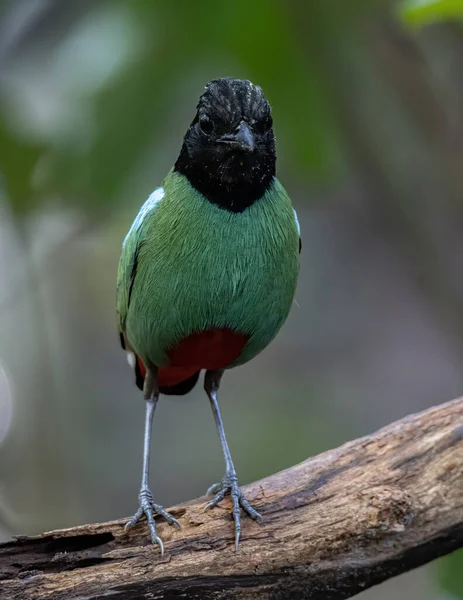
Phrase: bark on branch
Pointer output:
(334, 525)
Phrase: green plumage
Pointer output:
(191, 266)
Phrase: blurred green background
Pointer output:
(95, 96)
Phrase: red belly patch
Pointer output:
(212, 349)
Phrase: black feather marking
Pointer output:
(300, 245)
(122, 339)
(139, 379)
(133, 272)
(226, 176)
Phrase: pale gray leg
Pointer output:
(229, 483)
(147, 505)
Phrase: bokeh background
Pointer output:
(95, 96)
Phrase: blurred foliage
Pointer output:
(420, 12)
(450, 574)
(146, 85)
(92, 171)
(19, 158)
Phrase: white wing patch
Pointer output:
(131, 359)
(153, 200)
(297, 223)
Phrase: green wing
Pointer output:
(128, 262)
(126, 274)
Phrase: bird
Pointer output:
(208, 270)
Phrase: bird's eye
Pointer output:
(206, 124)
(263, 125)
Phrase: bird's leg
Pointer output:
(147, 505)
(229, 483)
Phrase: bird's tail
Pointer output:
(181, 388)
(173, 381)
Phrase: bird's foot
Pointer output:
(229, 485)
(149, 509)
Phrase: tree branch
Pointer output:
(334, 525)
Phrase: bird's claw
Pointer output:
(149, 509)
(229, 485)
(215, 487)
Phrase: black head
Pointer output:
(228, 152)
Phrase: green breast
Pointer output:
(201, 267)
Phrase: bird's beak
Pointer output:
(242, 138)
